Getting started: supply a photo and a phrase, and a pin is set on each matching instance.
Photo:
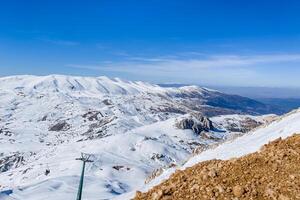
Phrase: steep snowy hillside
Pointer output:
(251, 142)
(283, 127)
(129, 127)
(271, 173)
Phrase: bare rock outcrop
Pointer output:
(60, 126)
(195, 122)
(11, 161)
(93, 115)
(244, 125)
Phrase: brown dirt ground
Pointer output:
(271, 173)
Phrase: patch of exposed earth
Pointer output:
(271, 173)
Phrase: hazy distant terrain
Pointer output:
(285, 105)
(261, 92)
(282, 100)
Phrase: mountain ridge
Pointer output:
(72, 85)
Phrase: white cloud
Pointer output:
(209, 62)
(229, 69)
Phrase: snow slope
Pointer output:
(136, 153)
(253, 141)
(132, 151)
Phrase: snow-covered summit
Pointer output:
(70, 84)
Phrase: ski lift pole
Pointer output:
(84, 158)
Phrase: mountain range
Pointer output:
(134, 131)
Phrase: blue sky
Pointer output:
(213, 42)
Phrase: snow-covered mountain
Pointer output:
(128, 127)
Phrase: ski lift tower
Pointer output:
(84, 158)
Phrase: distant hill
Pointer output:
(286, 104)
(280, 100)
